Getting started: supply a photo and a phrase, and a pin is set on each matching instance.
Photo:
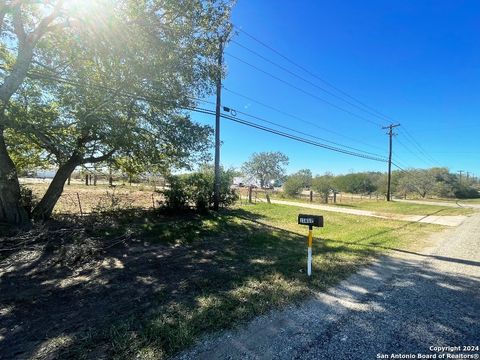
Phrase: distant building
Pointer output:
(45, 173)
(245, 181)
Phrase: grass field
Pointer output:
(382, 206)
(398, 207)
(151, 284)
(242, 263)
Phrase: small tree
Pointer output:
(293, 185)
(323, 185)
(266, 166)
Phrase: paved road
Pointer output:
(447, 220)
(403, 304)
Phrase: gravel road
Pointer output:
(403, 304)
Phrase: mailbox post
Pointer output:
(311, 221)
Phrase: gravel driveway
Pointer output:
(406, 303)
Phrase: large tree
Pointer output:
(266, 166)
(107, 78)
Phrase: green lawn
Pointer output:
(397, 207)
(392, 207)
(242, 263)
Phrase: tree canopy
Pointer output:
(266, 166)
(87, 81)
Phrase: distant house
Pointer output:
(45, 173)
(246, 181)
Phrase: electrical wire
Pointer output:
(372, 110)
(418, 146)
(299, 118)
(304, 91)
(306, 80)
(303, 133)
(287, 135)
(386, 117)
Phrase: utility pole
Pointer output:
(461, 172)
(390, 135)
(216, 199)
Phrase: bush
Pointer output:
(195, 190)
(293, 186)
(27, 199)
(466, 192)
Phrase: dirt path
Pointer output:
(447, 220)
(403, 304)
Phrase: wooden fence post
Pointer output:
(311, 196)
(79, 204)
(250, 194)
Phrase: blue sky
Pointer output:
(416, 61)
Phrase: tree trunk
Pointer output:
(44, 209)
(11, 210)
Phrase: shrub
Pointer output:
(466, 192)
(195, 190)
(293, 186)
(27, 199)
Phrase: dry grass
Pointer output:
(99, 198)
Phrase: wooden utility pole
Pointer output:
(390, 135)
(216, 199)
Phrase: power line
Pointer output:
(290, 136)
(299, 118)
(303, 133)
(307, 81)
(311, 73)
(304, 91)
(401, 163)
(306, 141)
(412, 152)
(307, 71)
(419, 147)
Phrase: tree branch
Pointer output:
(18, 26)
(93, 160)
(44, 24)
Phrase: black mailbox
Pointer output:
(311, 220)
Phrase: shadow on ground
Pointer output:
(398, 306)
(419, 307)
(143, 282)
